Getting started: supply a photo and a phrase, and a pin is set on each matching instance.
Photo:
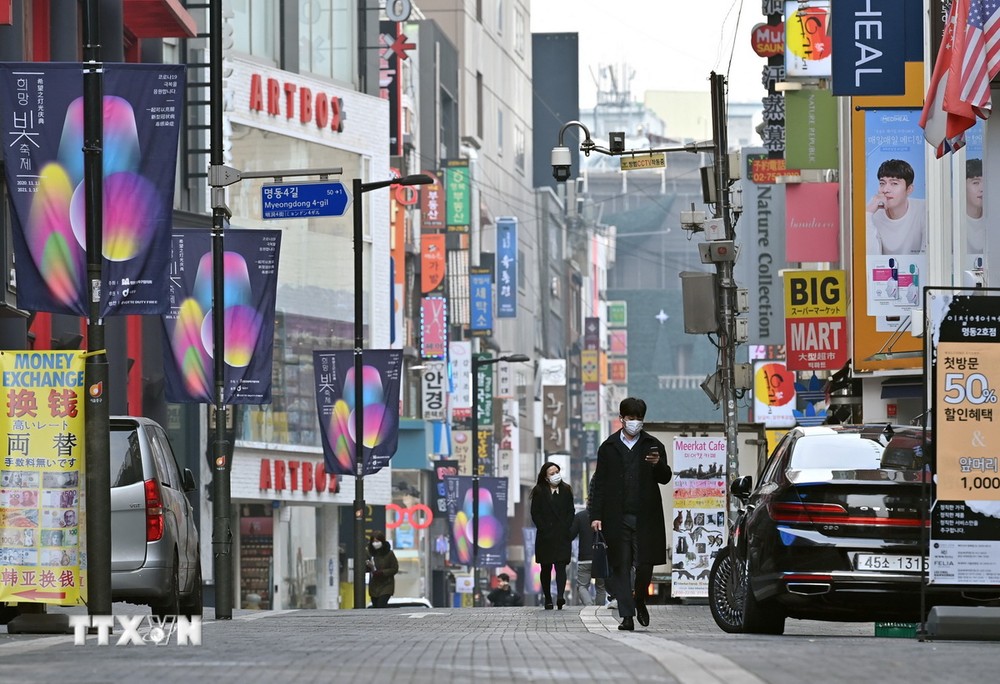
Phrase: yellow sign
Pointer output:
(42, 478)
(815, 294)
(644, 161)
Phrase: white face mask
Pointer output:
(632, 427)
(554, 480)
(376, 545)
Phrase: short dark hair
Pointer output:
(632, 406)
(503, 577)
(973, 168)
(896, 168)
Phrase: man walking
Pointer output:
(625, 504)
(585, 559)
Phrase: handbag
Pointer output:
(600, 567)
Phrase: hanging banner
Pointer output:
(492, 516)
(699, 507)
(335, 402)
(808, 45)
(811, 129)
(507, 267)
(432, 205)
(251, 280)
(42, 507)
(456, 182)
(869, 56)
(42, 115)
(480, 301)
(812, 222)
(432, 262)
(773, 394)
(965, 514)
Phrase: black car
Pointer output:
(833, 531)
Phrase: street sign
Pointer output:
(304, 200)
(638, 162)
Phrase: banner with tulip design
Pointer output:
(42, 112)
(250, 264)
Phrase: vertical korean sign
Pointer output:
(480, 301)
(42, 115)
(965, 515)
(456, 181)
(41, 478)
(699, 507)
(506, 268)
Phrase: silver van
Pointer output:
(154, 542)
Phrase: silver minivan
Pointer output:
(155, 554)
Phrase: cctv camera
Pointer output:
(561, 162)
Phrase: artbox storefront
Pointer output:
(290, 515)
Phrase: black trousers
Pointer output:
(622, 584)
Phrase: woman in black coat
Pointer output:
(552, 514)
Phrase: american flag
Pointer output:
(959, 90)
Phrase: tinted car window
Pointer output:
(164, 457)
(835, 452)
(126, 458)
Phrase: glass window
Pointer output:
(326, 39)
(519, 147)
(519, 32)
(255, 28)
(835, 452)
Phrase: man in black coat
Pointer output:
(625, 504)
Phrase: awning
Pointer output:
(908, 387)
(159, 19)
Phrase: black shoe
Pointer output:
(627, 624)
(641, 614)
(560, 603)
(548, 605)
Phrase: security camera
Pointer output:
(561, 163)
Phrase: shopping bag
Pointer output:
(600, 567)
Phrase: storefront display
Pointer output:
(256, 546)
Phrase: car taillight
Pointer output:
(785, 511)
(154, 511)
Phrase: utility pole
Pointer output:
(725, 283)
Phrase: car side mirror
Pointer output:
(741, 487)
(187, 480)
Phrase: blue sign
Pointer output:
(506, 267)
(304, 200)
(870, 46)
(480, 301)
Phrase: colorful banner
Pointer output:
(699, 522)
(432, 205)
(434, 391)
(433, 327)
(42, 115)
(456, 182)
(807, 38)
(816, 320)
(251, 281)
(507, 267)
(480, 301)
(773, 394)
(890, 220)
(869, 56)
(965, 516)
(42, 507)
(335, 403)
(432, 262)
(811, 129)
(492, 516)
(812, 222)
(443, 468)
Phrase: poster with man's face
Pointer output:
(974, 218)
(895, 216)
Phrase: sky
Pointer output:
(669, 44)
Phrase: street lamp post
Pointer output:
(360, 189)
(476, 363)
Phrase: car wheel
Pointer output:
(170, 604)
(192, 604)
(727, 589)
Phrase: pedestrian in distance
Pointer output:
(582, 530)
(383, 566)
(504, 595)
(552, 515)
(625, 504)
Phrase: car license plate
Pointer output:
(886, 563)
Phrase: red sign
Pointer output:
(296, 476)
(277, 98)
(432, 262)
(768, 40)
(763, 171)
(816, 343)
(6, 12)
(812, 222)
(432, 205)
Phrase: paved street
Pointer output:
(681, 645)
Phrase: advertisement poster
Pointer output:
(42, 115)
(979, 237)
(808, 41)
(699, 512)
(816, 320)
(336, 404)
(250, 264)
(492, 520)
(42, 521)
(773, 394)
(965, 515)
